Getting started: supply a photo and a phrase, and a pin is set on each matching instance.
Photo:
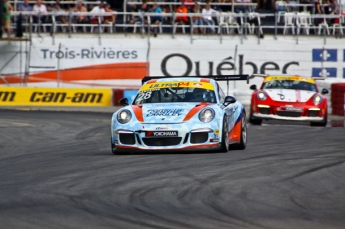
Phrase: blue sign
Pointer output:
(325, 55)
(325, 72)
(130, 95)
(344, 71)
(344, 55)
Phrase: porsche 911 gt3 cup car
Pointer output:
(287, 97)
(182, 113)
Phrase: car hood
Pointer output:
(288, 95)
(167, 113)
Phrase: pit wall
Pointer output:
(121, 61)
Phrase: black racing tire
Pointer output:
(323, 123)
(113, 149)
(254, 121)
(225, 137)
(243, 143)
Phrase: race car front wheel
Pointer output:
(113, 148)
(323, 123)
(254, 121)
(225, 137)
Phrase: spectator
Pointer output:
(97, 11)
(58, 11)
(266, 5)
(40, 9)
(207, 14)
(155, 20)
(223, 7)
(25, 7)
(318, 11)
(333, 8)
(80, 19)
(137, 18)
(6, 17)
(197, 19)
(189, 4)
(109, 18)
(182, 20)
(242, 8)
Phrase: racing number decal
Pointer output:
(145, 95)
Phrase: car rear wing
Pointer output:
(217, 78)
(258, 75)
(318, 78)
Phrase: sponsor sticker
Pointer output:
(164, 112)
(163, 128)
(294, 109)
(161, 134)
(294, 78)
(186, 84)
(197, 84)
(13, 96)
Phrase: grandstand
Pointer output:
(283, 18)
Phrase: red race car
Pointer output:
(286, 97)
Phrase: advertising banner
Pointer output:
(12, 96)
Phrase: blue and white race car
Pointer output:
(182, 113)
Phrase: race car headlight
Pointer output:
(261, 95)
(124, 116)
(317, 99)
(206, 115)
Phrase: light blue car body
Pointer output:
(170, 117)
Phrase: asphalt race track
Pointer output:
(57, 171)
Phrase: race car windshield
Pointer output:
(289, 84)
(175, 95)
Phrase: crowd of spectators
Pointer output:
(203, 17)
(41, 12)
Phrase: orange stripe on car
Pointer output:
(202, 146)
(205, 80)
(113, 71)
(235, 133)
(138, 111)
(194, 110)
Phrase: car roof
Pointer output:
(180, 82)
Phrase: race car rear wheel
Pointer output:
(243, 143)
(225, 137)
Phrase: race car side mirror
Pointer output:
(253, 87)
(229, 99)
(324, 91)
(123, 102)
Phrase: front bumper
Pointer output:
(189, 137)
(277, 117)
(289, 111)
